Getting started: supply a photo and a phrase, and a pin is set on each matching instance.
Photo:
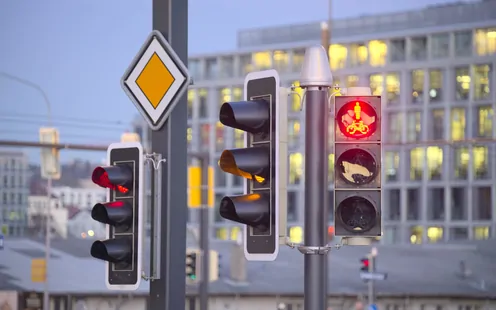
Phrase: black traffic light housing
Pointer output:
(365, 265)
(357, 169)
(122, 214)
(191, 266)
(262, 163)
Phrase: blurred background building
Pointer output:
(435, 70)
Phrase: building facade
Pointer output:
(39, 208)
(435, 70)
(14, 191)
(81, 197)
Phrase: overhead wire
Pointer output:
(62, 118)
(17, 132)
(102, 125)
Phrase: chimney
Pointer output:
(238, 263)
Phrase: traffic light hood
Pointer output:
(252, 210)
(113, 177)
(251, 163)
(249, 116)
(113, 213)
(113, 250)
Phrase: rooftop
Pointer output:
(412, 270)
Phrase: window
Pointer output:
(296, 100)
(298, 56)
(418, 48)
(292, 203)
(225, 95)
(457, 124)
(221, 179)
(481, 202)
(413, 126)
(295, 168)
(463, 43)
(219, 137)
(203, 111)
(462, 83)
(435, 85)
(377, 53)
(358, 55)
(416, 234)
(194, 68)
(239, 138)
(293, 133)
(434, 162)
(461, 159)
(435, 234)
(393, 204)
(480, 162)
(440, 45)
(437, 123)
(281, 61)
(227, 67)
(413, 204)
(482, 232)
(398, 50)
(189, 136)
(245, 63)
(337, 56)
(459, 204)
(395, 124)
(191, 100)
(458, 233)
(485, 41)
(417, 85)
(391, 165)
(211, 68)
(237, 94)
(376, 84)
(417, 160)
(482, 82)
(351, 81)
(205, 136)
(330, 209)
(262, 60)
(484, 123)
(393, 88)
(330, 168)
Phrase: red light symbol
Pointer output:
(100, 177)
(357, 119)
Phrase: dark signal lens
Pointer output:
(357, 167)
(357, 119)
(357, 214)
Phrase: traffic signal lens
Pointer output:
(357, 214)
(103, 176)
(357, 167)
(250, 163)
(249, 116)
(252, 209)
(357, 119)
(365, 262)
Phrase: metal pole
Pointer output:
(372, 269)
(48, 230)
(204, 235)
(316, 78)
(59, 146)
(170, 17)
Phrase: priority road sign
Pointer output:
(373, 276)
(156, 80)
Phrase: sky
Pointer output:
(76, 51)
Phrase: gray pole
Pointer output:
(372, 269)
(316, 78)
(48, 231)
(204, 235)
(170, 17)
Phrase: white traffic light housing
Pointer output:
(357, 179)
(262, 163)
(122, 214)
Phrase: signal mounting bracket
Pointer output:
(336, 90)
(314, 250)
(156, 160)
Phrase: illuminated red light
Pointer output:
(365, 262)
(115, 204)
(357, 119)
(101, 178)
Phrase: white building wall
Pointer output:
(83, 198)
(83, 226)
(37, 206)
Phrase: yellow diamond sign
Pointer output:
(156, 80)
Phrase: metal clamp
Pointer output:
(147, 278)
(315, 250)
(156, 160)
(337, 90)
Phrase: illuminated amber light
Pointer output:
(228, 164)
(357, 119)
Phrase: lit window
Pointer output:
(330, 167)
(416, 233)
(482, 82)
(391, 165)
(413, 126)
(219, 136)
(481, 162)
(221, 233)
(484, 122)
(189, 135)
(295, 168)
(351, 81)
(435, 85)
(191, 100)
(358, 55)
(225, 95)
(262, 60)
(482, 232)
(457, 124)
(296, 234)
(337, 56)
(393, 88)
(461, 159)
(434, 162)
(298, 57)
(377, 53)
(296, 98)
(485, 41)
(462, 83)
(417, 86)
(293, 133)
(376, 84)
(281, 61)
(237, 94)
(435, 234)
(417, 160)
(239, 138)
(235, 232)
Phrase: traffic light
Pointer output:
(262, 163)
(357, 179)
(365, 265)
(122, 214)
(191, 265)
